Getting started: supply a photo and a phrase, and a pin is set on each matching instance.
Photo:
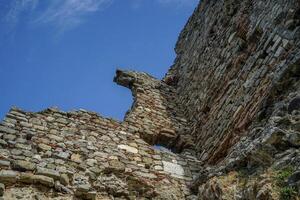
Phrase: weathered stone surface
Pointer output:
(22, 165)
(227, 111)
(76, 158)
(8, 176)
(27, 178)
(222, 94)
(112, 185)
(44, 147)
(115, 166)
(48, 172)
(173, 168)
(146, 175)
(44, 180)
(63, 155)
(83, 191)
(128, 148)
(7, 130)
(4, 163)
(64, 179)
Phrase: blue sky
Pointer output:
(64, 53)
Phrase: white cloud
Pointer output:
(166, 3)
(178, 3)
(16, 8)
(66, 14)
(63, 14)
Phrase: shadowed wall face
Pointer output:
(229, 56)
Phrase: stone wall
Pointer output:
(227, 111)
(265, 162)
(229, 56)
(155, 115)
(85, 155)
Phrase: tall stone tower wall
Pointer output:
(230, 55)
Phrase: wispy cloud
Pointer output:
(178, 3)
(63, 14)
(16, 8)
(136, 4)
(67, 14)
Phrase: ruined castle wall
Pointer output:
(231, 100)
(229, 56)
(84, 155)
(155, 114)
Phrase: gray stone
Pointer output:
(3, 143)
(294, 138)
(26, 124)
(56, 138)
(62, 120)
(64, 179)
(83, 188)
(61, 188)
(22, 165)
(8, 176)
(44, 180)
(9, 137)
(27, 178)
(63, 155)
(91, 162)
(48, 172)
(145, 175)
(4, 163)
(115, 166)
(173, 168)
(7, 130)
(23, 146)
(44, 147)
(76, 158)
(111, 184)
(128, 148)
(83, 191)
(16, 152)
(35, 121)
(2, 189)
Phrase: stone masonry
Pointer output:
(229, 56)
(222, 124)
(85, 155)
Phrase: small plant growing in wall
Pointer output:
(282, 175)
(285, 191)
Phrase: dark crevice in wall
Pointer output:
(287, 82)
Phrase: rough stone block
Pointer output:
(23, 165)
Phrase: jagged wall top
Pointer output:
(85, 155)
